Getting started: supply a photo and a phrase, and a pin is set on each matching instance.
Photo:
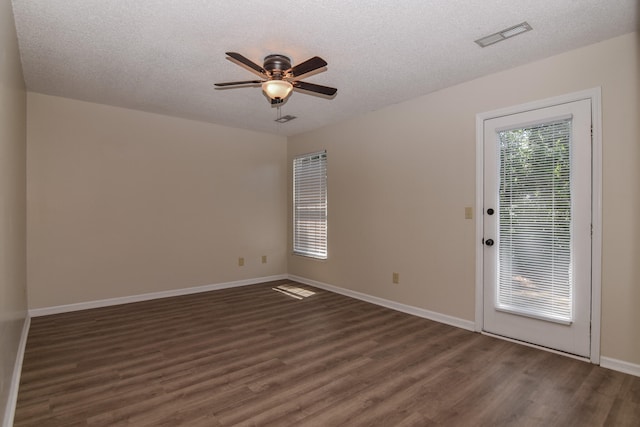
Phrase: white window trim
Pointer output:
(596, 204)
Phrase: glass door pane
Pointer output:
(534, 260)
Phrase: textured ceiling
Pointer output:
(163, 56)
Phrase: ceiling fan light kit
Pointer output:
(279, 77)
(277, 89)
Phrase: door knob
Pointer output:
(488, 242)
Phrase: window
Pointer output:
(310, 205)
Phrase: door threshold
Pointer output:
(539, 347)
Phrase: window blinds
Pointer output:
(310, 205)
(534, 262)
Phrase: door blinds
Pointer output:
(534, 264)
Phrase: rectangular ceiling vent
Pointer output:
(285, 119)
(504, 34)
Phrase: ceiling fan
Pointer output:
(279, 78)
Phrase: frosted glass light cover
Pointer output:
(277, 89)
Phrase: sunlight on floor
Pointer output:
(294, 291)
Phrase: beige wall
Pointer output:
(13, 302)
(122, 202)
(400, 178)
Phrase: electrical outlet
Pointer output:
(264, 259)
(395, 278)
(241, 261)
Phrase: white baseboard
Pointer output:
(35, 312)
(409, 309)
(12, 399)
(620, 365)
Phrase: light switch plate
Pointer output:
(468, 212)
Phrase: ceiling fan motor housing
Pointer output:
(276, 64)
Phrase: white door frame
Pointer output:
(596, 203)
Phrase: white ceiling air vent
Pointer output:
(504, 34)
(284, 119)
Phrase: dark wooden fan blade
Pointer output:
(249, 63)
(247, 82)
(308, 66)
(325, 90)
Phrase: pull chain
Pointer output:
(278, 116)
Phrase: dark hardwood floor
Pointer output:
(254, 356)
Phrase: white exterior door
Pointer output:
(537, 227)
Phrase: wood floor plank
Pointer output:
(254, 356)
